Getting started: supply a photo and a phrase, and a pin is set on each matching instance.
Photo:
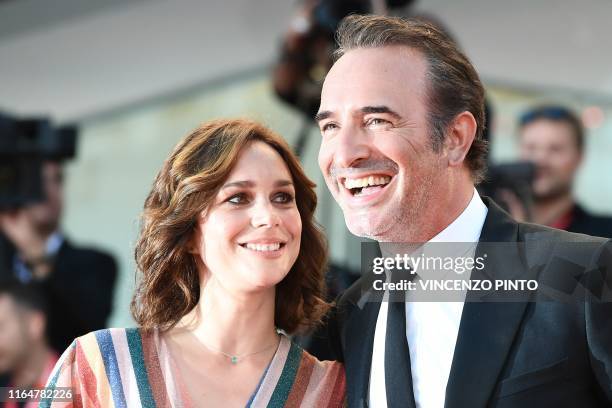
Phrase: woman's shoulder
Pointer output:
(322, 364)
(322, 383)
(106, 351)
(117, 333)
(115, 342)
(109, 361)
(326, 372)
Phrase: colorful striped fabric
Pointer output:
(133, 368)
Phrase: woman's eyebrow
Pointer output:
(250, 183)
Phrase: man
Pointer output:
(552, 138)
(401, 119)
(25, 355)
(77, 282)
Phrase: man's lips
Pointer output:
(367, 195)
(365, 183)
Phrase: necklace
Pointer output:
(234, 358)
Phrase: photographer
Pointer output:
(552, 137)
(77, 283)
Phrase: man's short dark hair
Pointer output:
(27, 296)
(555, 113)
(453, 84)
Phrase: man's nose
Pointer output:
(539, 156)
(353, 145)
(265, 215)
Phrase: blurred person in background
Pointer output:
(232, 262)
(26, 360)
(552, 137)
(77, 282)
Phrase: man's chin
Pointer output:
(550, 193)
(364, 227)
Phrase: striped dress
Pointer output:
(133, 368)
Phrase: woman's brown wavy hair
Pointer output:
(186, 185)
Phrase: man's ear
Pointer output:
(459, 138)
(37, 323)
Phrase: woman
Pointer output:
(231, 260)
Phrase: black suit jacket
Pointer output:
(584, 222)
(78, 291)
(508, 354)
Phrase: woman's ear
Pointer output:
(193, 244)
(195, 241)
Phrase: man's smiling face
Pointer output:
(376, 153)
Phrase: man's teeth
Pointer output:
(366, 181)
(264, 247)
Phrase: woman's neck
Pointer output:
(237, 324)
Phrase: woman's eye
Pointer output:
(237, 199)
(283, 198)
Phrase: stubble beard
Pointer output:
(554, 193)
(405, 222)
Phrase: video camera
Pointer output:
(24, 145)
(513, 177)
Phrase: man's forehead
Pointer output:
(375, 72)
(383, 52)
(6, 301)
(545, 129)
(381, 60)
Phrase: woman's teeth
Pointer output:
(263, 247)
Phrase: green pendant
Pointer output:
(234, 359)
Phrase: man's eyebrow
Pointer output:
(366, 109)
(251, 184)
(380, 109)
(322, 115)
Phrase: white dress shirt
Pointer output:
(431, 327)
(52, 247)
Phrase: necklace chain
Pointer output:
(234, 358)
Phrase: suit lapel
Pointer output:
(359, 341)
(487, 330)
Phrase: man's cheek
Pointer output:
(323, 162)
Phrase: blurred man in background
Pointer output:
(26, 360)
(552, 137)
(77, 282)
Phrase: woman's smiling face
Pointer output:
(249, 238)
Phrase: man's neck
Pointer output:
(29, 372)
(453, 208)
(547, 211)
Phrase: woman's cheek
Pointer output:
(295, 224)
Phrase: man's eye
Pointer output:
(283, 198)
(238, 199)
(328, 126)
(377, 122)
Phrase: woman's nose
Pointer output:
(265, 215)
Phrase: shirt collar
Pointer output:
(468, 225)
(54, 242)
